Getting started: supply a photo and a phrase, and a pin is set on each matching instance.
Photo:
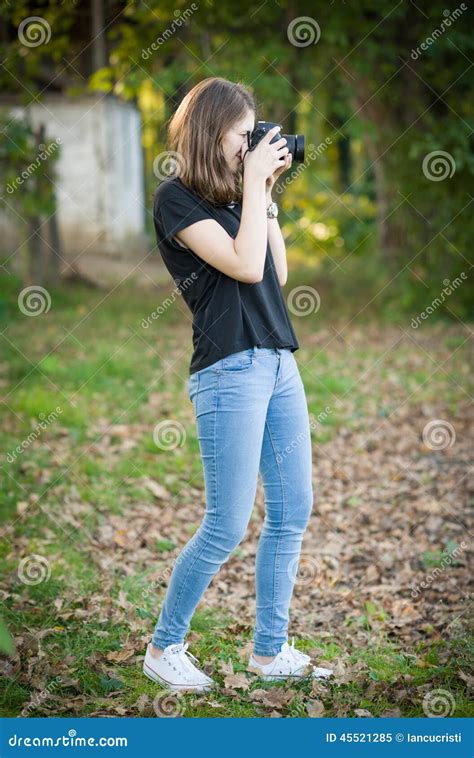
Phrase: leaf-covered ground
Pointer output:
(98, 501)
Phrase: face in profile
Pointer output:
(235, 139)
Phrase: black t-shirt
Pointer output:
(228, 315)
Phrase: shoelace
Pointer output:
(184, 653)
(296, 655)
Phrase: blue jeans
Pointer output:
(251, 417)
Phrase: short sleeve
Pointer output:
(175, 209)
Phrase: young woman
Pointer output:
(226, 254)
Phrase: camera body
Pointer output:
(294, 142)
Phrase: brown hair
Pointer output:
(195, 133)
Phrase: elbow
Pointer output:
(255, 277)
(283, 281)
(251, 277)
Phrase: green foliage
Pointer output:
(388, 86)
(25, 168)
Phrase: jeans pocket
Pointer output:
(240, 361)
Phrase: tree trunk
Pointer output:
(56, 251)
(36, 252)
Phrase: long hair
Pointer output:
(195, 133)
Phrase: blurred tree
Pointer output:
(390, 76)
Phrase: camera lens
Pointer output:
(295, 144)
(299, 148)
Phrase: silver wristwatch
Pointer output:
(272, 210)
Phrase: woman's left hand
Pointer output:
(272, 179)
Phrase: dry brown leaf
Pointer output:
(274, 697)
(314, 709)
(120, 655)
(363, 713)
(238, 680)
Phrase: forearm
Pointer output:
(277, 245)
(250, 244)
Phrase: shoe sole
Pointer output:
(175, 687)
(281, 677)
(277, 677)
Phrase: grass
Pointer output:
(91, 358)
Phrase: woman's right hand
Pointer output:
(265, 158)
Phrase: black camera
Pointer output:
(294, 142)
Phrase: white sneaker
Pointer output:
(175, 670)
(289, 662)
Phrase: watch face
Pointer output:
(272, 209)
